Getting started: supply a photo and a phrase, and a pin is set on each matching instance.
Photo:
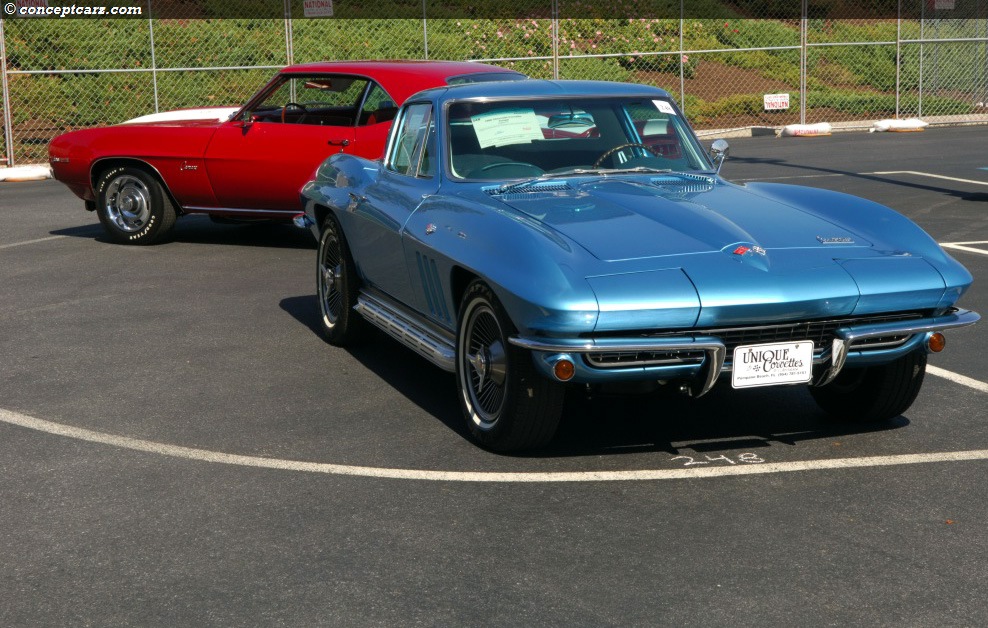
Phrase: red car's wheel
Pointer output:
(133, 206)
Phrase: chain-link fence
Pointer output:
(61, 74)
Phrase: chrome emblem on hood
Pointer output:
(835, 240)
(742, 249)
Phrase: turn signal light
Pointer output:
(564, 370)
(937, 342)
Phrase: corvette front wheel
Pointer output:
(133, 206)
(874, 393)
(506, 403)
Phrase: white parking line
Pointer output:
(823, 176)
(957, 378)
(795, 176)
(961, 246)
(7, 246)
(203, 455)
(928, 174)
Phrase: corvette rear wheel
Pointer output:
(133, 206)
(874, 393)
(337, 286)
(507, 404)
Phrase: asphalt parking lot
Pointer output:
(179, 447)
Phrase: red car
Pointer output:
(141, 175)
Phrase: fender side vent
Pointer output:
(432, 286)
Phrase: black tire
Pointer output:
(337, 287)
(874, 393)
(133, 206)
(506, 403)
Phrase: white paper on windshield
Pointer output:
(664, 107)
(500, 128)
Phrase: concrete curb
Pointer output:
(25, 173)
(841, 127)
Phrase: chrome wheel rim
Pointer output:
(483, 366)
(128, 203)
(330, 275)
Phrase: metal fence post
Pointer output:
(898, 57)
(682, 66)
(425, 32)
(154, 63)
(984, 66)
(289, 41)
(555, 40)
(922, 53)
(8, 131)
(803, 44)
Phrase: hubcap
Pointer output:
(485, 367)
(128, 203)
(330, 279)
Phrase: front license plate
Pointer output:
(773, 364)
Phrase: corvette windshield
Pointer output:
(530, 138)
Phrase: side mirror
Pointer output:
(718, 152)
(244, 123)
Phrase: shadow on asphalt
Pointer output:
(724, 419)
(202, 230)
(608, 423)
(427, 386)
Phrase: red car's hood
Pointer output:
(205, 116)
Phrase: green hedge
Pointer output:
(858, 79)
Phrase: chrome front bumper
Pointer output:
(715, 351)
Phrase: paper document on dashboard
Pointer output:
(500, 128)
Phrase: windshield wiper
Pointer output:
(510, 187)
(636, 169)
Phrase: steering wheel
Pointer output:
(517, 165)
(615, 149)
(293, 105)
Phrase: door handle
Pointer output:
(354, 201)
(342, 144)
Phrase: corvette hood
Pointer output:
(717, 254)
(633, 219)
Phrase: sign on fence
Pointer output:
(776, 102)
(318, 8)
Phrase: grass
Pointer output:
(857, 80)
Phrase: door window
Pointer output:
(317, 100)
(378, 107)
(413, 145)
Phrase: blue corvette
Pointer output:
(537, 234)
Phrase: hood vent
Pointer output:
(546, 189)
(685, 182)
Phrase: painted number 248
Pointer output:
(747, 458)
